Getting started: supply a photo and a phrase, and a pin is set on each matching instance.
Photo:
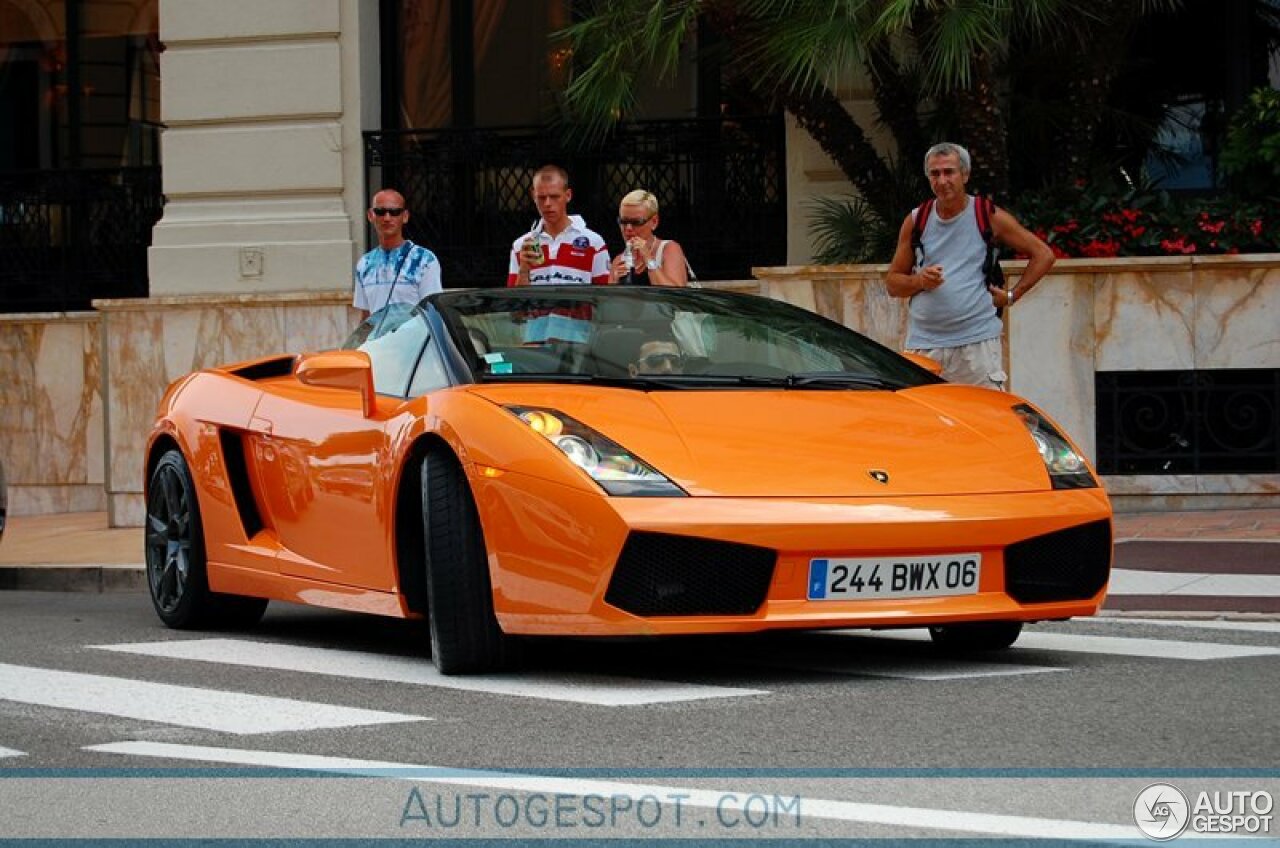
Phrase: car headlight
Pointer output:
(614, 468)
(1067, 468)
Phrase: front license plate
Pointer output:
(937, 575)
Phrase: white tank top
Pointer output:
(959, 312)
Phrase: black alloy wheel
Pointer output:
(175, 556)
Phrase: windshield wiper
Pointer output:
(841, 380)
(823, 380)
(815, 380)
(640, 381)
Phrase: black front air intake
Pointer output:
(1066, 565)
(661, 574)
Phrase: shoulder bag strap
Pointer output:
(923, 211)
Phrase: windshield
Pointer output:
(677, 338)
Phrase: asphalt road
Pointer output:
(113, 726)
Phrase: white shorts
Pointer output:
(978, 364)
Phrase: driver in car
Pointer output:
(658, 356)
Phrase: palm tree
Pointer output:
(933, 65)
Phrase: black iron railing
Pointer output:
(721, 184)
(69, 236)
(1189, 422)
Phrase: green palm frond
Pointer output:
(615, 46)
(949, 33)
(802, 44)
(844, 230)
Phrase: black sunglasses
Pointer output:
(393, 211)
(653, 360)
(634, 222)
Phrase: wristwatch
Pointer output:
(652, 265)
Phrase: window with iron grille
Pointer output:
(1220, 421)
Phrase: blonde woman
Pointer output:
(651, 261)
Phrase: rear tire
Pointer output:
(177, 574)
(977, 636)
(465, 637)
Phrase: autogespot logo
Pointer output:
(1161, 811)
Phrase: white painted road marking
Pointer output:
(600, 690)
(184, 706)
(905, 668)
(996, 824)
(1165, 649)
(1130, 582)
(930, 671)
(9, 752)
(1204, 624)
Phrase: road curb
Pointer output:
(73, 578)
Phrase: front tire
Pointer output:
(465, 636)
(177, 575)
(976, 636)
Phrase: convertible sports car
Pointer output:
(608, 461)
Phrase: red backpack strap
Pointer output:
(985, 211)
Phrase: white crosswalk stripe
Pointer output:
(1167, 649)
(184, 706)
(9, 752)
(904, 669)
(235, 712)
(1205, 624)
(600, 690)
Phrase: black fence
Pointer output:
(68, 236)
(1223, 421)
(721, 185)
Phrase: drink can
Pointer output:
(535, 250)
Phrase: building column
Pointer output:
(262, 159)
(262, 153)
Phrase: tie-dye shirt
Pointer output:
(409, 273)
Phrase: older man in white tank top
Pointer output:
(952, 313)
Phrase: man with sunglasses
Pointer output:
(657, 357)
(397, 270)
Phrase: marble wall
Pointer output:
(149, 343)
(51, 412)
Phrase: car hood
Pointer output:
(939, 439)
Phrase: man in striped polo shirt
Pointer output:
(559, 250)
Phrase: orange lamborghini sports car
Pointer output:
(609, 461)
